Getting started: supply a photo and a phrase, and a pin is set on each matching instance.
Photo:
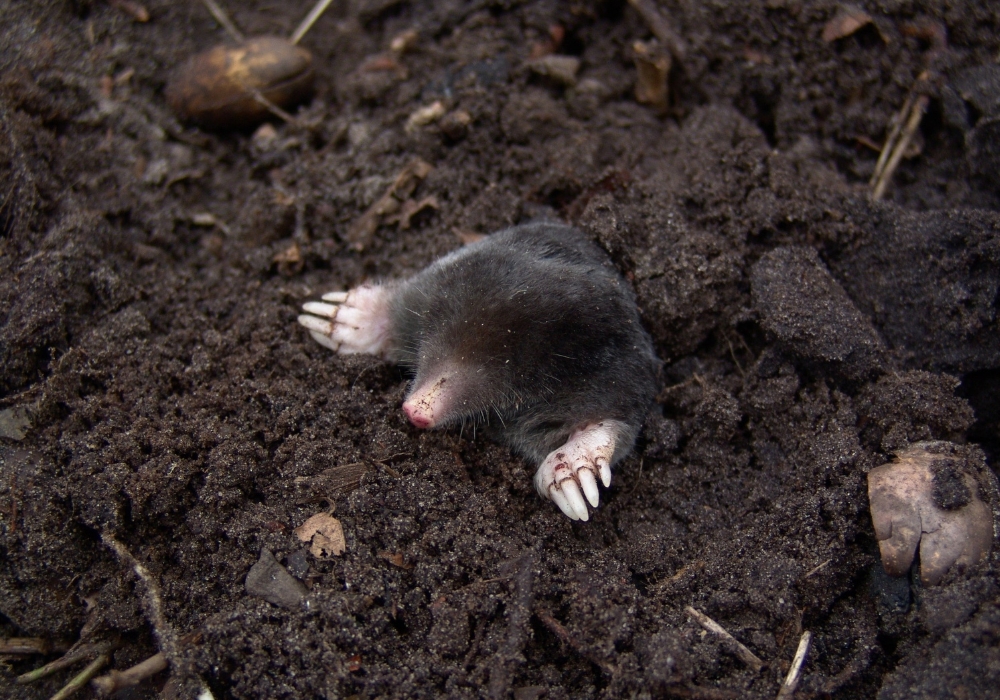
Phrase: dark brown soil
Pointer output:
(168, 399)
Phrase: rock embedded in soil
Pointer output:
(927, 497)
(269, 580)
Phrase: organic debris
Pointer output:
(325, 535)
(848, 20)
(661, 27)
(653, 66)
(927, 498)
(560, 69)
(360, 233)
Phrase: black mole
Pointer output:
(530, 332)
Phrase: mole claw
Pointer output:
(351, 322)
(569, 474)
(575, 498)
(321, 309)
(315, 323)
(605, 472)
(559, 498)
(325, 340)
(589, 485)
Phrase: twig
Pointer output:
(118, 680)
(78, 655)
(81, 679)
(26, 646)
(318, 9)
(566, 638)
(274, 109)
(904, 126)
(223, 19)
(746, 656)
(154, 602)
(795, 672)
(817, 569)
(660, 26)
(518, 617)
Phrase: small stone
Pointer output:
(271, 581)
(14, 423)
(455, 125)
(424, 116)
(298, 563)
(264, 137)
(562, 69)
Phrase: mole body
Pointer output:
(529, 332)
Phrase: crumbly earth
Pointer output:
(156, 389)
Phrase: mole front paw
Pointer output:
(350, 322)
(570, 473)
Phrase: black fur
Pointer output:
(545, 331)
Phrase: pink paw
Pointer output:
(350, 322)
(570, 472)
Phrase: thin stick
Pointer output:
(912, 124)
(566, 638)
(154, 602)
(24, 646)
(318, 9)
(79, 655)
(119, 680)
(270, 106)
(81, 679)
(660, 26)
(817, 569)
(896, 125)
(795, 672)
(746, 656)
(223, 19)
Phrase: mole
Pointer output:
(530, 334)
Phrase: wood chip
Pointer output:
(848, 20)
(653, 66)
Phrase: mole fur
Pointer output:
(540, 332)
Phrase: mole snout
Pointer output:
(429, 401)
(530, 335)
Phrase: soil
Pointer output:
(158, 393)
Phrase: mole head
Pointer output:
(457, 380)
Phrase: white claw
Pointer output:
(589, 485)
(321, 309)
(605, 468)
(315, 323)
(325, 340)
(559, 498)
(575, 499)
(569, 473)
(351, 322)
